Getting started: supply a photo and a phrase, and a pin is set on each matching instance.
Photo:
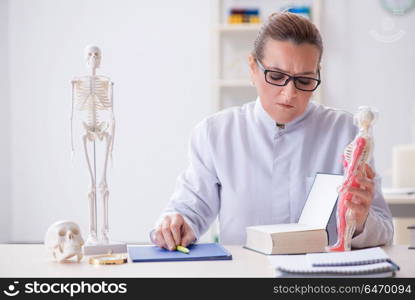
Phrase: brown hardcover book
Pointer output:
(309, 234)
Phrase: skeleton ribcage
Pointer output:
(92, 95)
(348, 152)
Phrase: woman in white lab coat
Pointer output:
(253, 165)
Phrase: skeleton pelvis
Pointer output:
(97, 131)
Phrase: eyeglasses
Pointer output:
(302, 83)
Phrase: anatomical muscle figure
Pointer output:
(356, 155)
(92, 100)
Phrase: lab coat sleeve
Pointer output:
(378, 228)
(196, 195)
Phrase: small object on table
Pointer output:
(183, 249)
(109, 259)
(64, 240)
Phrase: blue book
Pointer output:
(210, 251)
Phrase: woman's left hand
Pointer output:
(362, 197)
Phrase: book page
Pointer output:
(289, 227)
(321, 200)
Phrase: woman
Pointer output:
(254, 164)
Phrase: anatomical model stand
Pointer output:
(356, 155)
(92, 100)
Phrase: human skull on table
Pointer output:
(64, 240)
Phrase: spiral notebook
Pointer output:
(348, 258)
(372, 262)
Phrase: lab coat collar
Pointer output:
(271, 124)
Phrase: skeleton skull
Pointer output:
(93, 56)
(364, 117)
(64, 240)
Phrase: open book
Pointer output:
(371, 262)
(309, 234)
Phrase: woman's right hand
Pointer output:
(173, 231)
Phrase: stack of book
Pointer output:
(244, 16)
(304, 11)
(371, 262)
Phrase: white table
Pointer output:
(22, 260)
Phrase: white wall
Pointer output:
(370, 60)
(157, 53)
(5, 196)
(45, 42)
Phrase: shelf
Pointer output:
(399, 199)
(238, 27)
(232, 44)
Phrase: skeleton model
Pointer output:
(356, 155)
(64, 240)
(92, 99)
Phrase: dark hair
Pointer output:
(285, 26)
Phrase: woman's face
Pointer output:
(285, 103)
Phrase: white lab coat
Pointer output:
(251, 172)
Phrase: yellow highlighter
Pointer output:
(183, 249)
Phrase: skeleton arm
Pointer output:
(72, 110)
(112, 126)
